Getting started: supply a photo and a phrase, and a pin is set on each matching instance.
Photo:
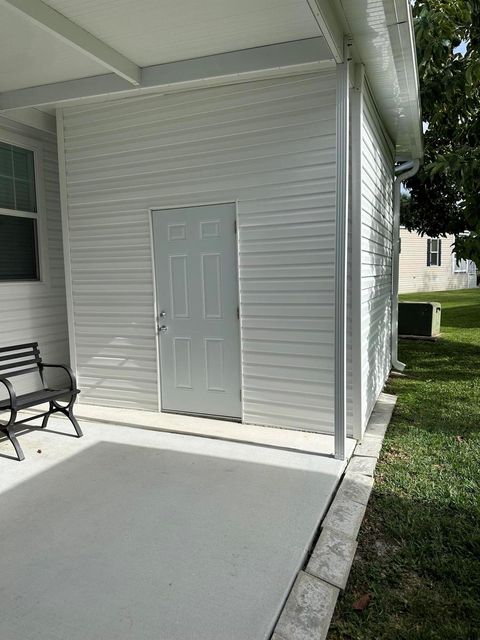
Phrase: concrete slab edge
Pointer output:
(309, 607)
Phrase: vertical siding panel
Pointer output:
(37, 311)
(271, 146)
(377, 218)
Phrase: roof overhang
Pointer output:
(313, 32)
(383, 40)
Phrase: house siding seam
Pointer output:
(37, 311)
(377, 224)
(415, 275)
(270, 146)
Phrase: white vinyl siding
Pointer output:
(377, 219)
(268, 144)
(415, 275)
(36, 311)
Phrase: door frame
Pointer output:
(156, 308)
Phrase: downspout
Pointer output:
(404, 171)
(341, 253)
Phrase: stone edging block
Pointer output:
(332, 557)
(308, 611)
(370, 446)
(363, 465)
(311, 603)
(356, 487)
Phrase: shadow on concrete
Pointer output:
(123, 541)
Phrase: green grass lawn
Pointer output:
(419, 545)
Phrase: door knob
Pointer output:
(162, 329)
(162, 314)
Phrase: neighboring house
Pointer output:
(429, 264)
(207, 196)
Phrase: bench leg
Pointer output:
(68, 412)
(18, 449)
(46, 417)
(73, 420)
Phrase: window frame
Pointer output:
(437, 252)
(31, 144)
(456, 266)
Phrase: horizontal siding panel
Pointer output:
(200, 154)
(195, 115)
(275, 322)
(196, 133)
(233, 96)
(268, 145)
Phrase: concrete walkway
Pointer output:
(134, 534)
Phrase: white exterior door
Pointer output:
(197, 300)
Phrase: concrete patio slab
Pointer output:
(130, 533)
(316, 443)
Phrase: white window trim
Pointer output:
(456, 268)
(437, 252)
(9, 137)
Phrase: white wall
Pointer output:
(269, 144)
(415, 275)
(376, 256)
(36, 311)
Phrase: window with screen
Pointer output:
(18, 214)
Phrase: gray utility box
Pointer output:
(419, 318)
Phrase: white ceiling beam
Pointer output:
(330, 26)
(33, 118)
(73, 35)
(225, 67)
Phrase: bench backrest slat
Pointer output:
(18, 347)
(22, 354)
(17, 359)
(18, 365)
(21, 372)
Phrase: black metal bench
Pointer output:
(22, 359)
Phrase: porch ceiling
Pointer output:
(155, 31)
(145, 32)
(59, 51)
(25, 51)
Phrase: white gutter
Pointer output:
(404, 171)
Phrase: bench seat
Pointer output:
(38, 397)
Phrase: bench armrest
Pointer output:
(73, 381)
(11, 392)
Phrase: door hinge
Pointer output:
(238, 313)
(235, 227)
(240, 394)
